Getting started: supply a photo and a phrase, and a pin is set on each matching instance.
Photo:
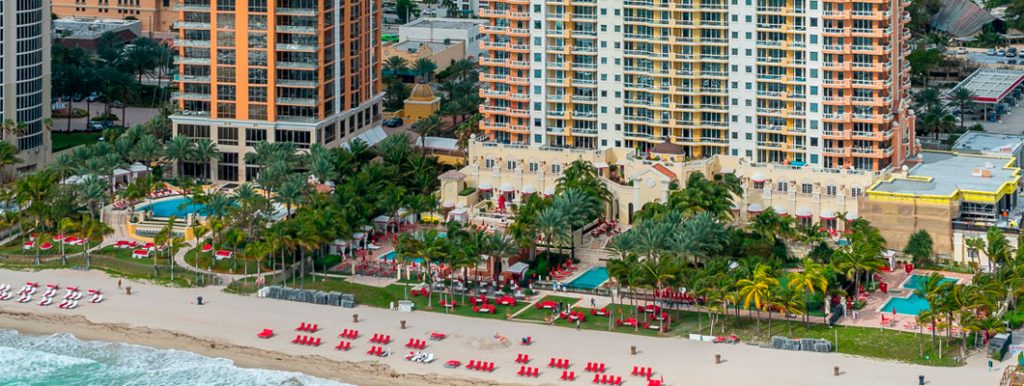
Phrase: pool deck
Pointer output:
(871, 315)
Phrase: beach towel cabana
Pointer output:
(46, 246)
(140, 253)
(207, 248)
(222, 254)
(29, 245)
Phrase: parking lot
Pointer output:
(134, 116)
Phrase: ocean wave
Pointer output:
(62, 359)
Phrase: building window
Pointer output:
(782, 186)
(830, 190)
(759, 185)
(488, 163)
(511, 165)
(227, 136)
(254, 136)
(556, 168)
(856, 192)
(533, 167)
(806, 188)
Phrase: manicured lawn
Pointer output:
(682, 322)
(61, 141)
(235, 266)
(463, 308)
(16, 247)
(865, 341)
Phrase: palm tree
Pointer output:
(424, 68)
(93, 230)
(808, 281)
(180, 149)
(757, 289)
(550, 225)
(64, 226)
(394, 65)
(204, 152)
(932, 288)
(8, 156)
(962, 97)
(425, 126)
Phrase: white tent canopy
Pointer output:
(518, 268)
(755, 208)
(507, 187)
(529, 189)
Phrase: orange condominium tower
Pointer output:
(300, 71)
(800, 82)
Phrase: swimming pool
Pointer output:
(390, 256)
(913, 304)
(590, 279)
(180, 207)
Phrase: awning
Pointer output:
(448, 204)
(851, 216)
(138, 167)
(507, 187)
(529, 189)
(371, 137)
(827, 215)
(780, 210)
(518, 268)
(485, 186)
(120, 172)
(601, 165)
(549, 191)
(359, 235)
(758, 177)
(755, 208)
(382, 218)
(803, 212)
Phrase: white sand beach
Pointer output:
(227, 325)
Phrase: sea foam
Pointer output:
(64, 360)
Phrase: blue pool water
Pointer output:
(914, 304)
(178, 206)
(390, 256)
(590, 279)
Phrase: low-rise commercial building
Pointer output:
(156, 16)
(443, 54)
(86, 32)
(441, 30)
(953, 196)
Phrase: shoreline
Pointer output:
(365, 373)
(227, 324)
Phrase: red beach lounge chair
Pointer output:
(266, 333)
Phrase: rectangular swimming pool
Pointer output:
(914, 304)
(591, 279)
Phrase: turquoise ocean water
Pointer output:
(63, 360)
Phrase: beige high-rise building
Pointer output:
(25, 78)
(300, 71)
(796, 82)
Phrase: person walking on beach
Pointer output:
(593, 303)
(577, 324)
(118, 283)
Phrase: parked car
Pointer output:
(94, 96)
(393, 122)
(116, 104)
(961, 51)
(1011, 52)
(96, 126)
(77, 98)
(1001, 52)
(991, 52)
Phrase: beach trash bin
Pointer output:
(835, 371)
(718, 359)
(920, 379)
(355, 318)
(128, 290)
(632, 350)
(199, 300)
(403, 324)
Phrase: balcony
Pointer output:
(871, 118)
(835, 15)
(836, 49)
(308, 102)
(504, 62)
(194, 79)
(192, 7)
(835, 83)
(187, 60)
(295, 65)
(503, 126)
(836, 117)
(871, 152)
(501, 78)
(504, 111)
(297, 83)
(836, 32)
(871, 15)
(296, 29)
(311, 11)
(836, 151)
(871, 32)
(191, 43)
(502, 30)
(191, 25)
(295, 47)
(868, 50)
(190, 96)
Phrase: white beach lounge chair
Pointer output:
(76, 296)
(25, 298)
(46, 301)
(50, 292)
(74, 303)
(429, 358)
(5, 287)
(96, 298)
(5, 295)
(64, 303)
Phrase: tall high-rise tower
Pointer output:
(300, 71)
(799, 82)
(25, 78)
